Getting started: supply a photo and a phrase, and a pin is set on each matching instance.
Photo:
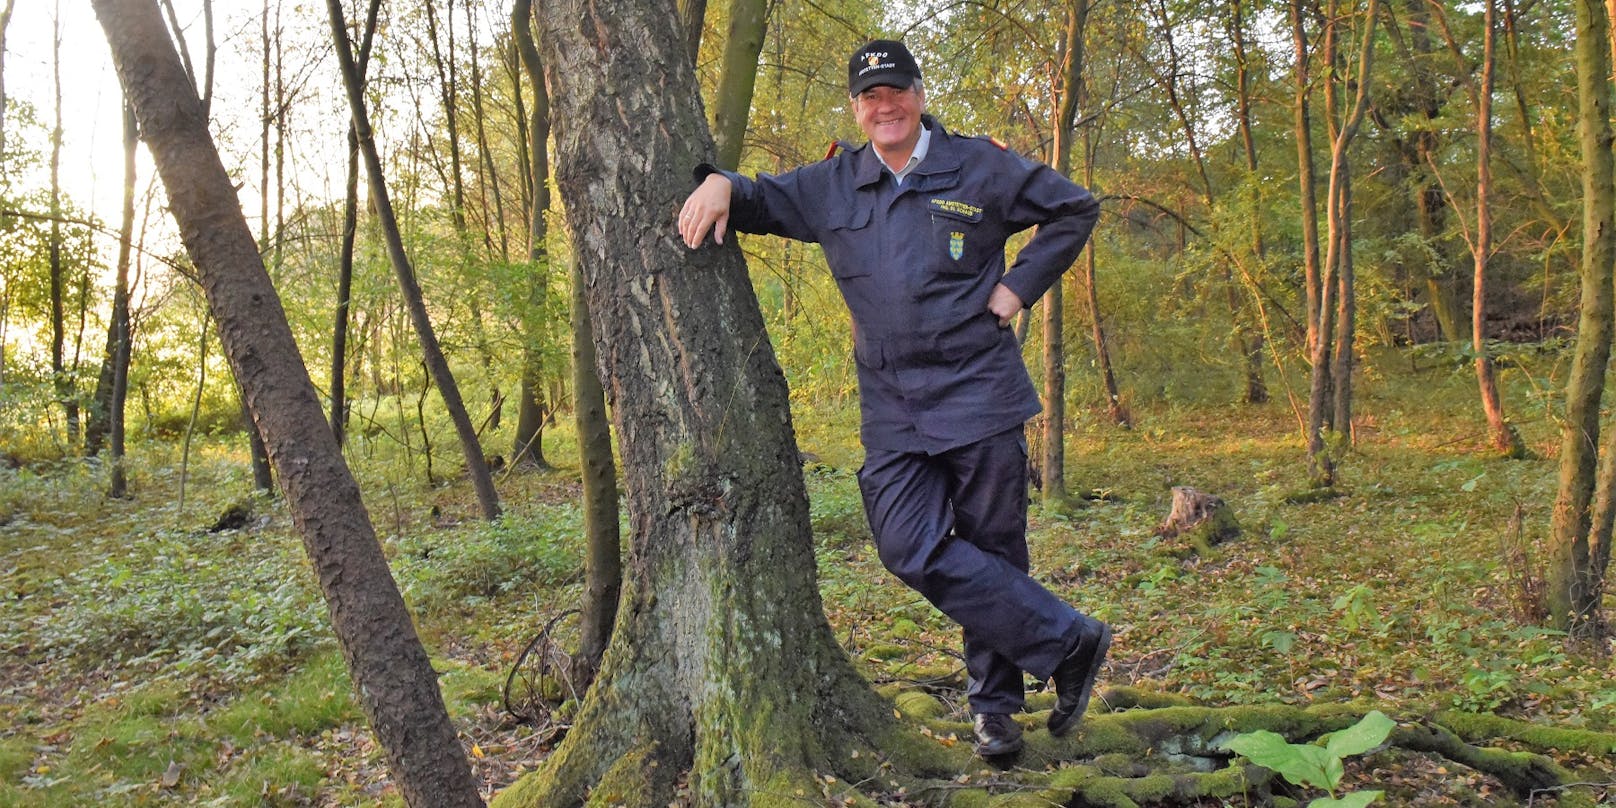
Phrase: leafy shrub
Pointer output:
(542, 547)
(171, 601)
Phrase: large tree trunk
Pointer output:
(723, 683)
(391, 672)
(436, 363)
(1576, 559)
(692, 18)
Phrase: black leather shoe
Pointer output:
(997, 735)
(1074, 677)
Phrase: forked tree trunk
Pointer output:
(723, 678)
(392, 675)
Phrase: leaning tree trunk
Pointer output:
(350, 235)
(432, 353)
(391, 671)
(723, 683)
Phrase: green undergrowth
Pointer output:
(151, 662)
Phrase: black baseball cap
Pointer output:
(881, 62)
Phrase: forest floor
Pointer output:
(146, 659)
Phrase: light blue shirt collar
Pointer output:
(915, 157)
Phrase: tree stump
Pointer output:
(1202, 520)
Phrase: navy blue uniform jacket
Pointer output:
(916, 264)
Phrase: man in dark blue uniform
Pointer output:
(913, 226)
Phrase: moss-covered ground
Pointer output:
(147, 661)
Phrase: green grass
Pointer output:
(137, 640)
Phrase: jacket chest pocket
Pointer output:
(957, 241)
(849, 244)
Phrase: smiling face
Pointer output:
(890, 118)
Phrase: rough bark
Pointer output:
(436, 363)
(391, 672)
(1574, 579)
(723, 684)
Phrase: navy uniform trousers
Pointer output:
(953, 526)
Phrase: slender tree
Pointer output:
(1330, 395)
(732, 105)
(532, 411)
(391, 672)
(437, 364)
(1053, 445)
(350, 234)
(692, 18)
(603, 553)
(1577, 553)
(1249, 341)
(122, 338)
(66, 396)
(1307, 185)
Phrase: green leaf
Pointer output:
(1302, 764)
(1368, 733)
(1357, 799)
